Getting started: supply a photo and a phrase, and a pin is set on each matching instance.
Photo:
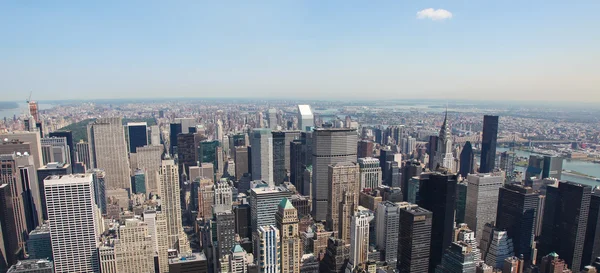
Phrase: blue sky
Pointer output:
(521, 50)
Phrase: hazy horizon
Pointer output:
(335, 50)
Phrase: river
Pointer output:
(585, 167)
(22, 109)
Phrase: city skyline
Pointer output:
(520, 50)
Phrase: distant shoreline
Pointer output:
(5, 105)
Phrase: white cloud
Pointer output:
(434, 14)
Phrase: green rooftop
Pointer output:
(286, 204)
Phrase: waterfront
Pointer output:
(22, 109)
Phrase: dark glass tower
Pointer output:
(467, 160)
(517, 210)
(488, 144)
(437, 193)
(411, 169)
(565, 220)
(174, 130)
(431, 150)
(591, 249)
(414, 240)
(138, 135)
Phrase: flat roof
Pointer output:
(68, 179)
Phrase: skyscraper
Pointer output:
(365, 149)
(387, 222)
(171, 205)
(591, 248)
(488, 144)
(517, 210)
(359, 240)
(411, 169)
(414, 240)
(73, 217)
(174, 130)
(306, 119)
(68, 135)
(336, 256)
(291, 245)
(458, 258)
(134, 251)
(23, 142)
(138, 135)
(344, 185)
(225, 235)
(437, 194)
(467, 160)
(12, 210)
(444, 157)
(263, 205)
(149, 161)
(267, 249)
(32, 200)
(262, 155)
(83, 153)
(565, 220)
(281, 154)
(370, 173)
(495, 246)
(238, 262)
(329, 146)
(542, 167)
(482, 200)
(241, 161)
(109, 151)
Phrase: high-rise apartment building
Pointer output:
(73, 217)
(482, 200)
(565, 221)
(329, 146)
(437, 194)
(262, 155)
(517, 210)
(138, 135)
(263, 205)
(108, 151)
(290, 243)
(488, 144)
(171, 205)
(306, 119)
(343, 197)
(370, 173)
(267, 248)
(414, 240)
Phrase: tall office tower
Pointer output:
(263, 205)
(306, 119)
(365, 149)
(272, 118)
(513, 265)
(437, 193)
(281, 154)
(225, 235)
(488, 144)
(551, 264)
(171, 205)
(344, 182)
(414, 240)
(464, 234)
(83, 153)
(223, 196)
(240, 155)
(55, 149)
(69, 137)
(186, 124)
(370, 173)
(39, 245)
(467, 160)
(262, 155)
(133, 250)
(155, 135)
(73, 217)
(444, 157)
(149, 161)
(482, 200)
(187, 152)
(461, 202)
(206, 199)
(387, 222)
(517, 210)
(432, 151)
(542, 167)
(565, 220)
(329, 146)
(336, 256)
(507, 164)
(267, 249)
(495, 246)
(174, 130)
(411, 169)
(242, 220)
(23, 142)
(238, 262)
(138, 135)
(591, 248)
(109, 151)
(12, 210)
(23, 172)
(98, 177)
(291, 245)
(359, 240)
(458, 258)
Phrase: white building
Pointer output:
(359, 240)
(73, 217)
(266, 246)
(306, 119)
(171, 206)
(262, 155)
(482, 200)
(223, 196)
(370, 173)
(238, 262)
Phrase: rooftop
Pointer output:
(68, 179)
(188, 258)
(305, 110)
